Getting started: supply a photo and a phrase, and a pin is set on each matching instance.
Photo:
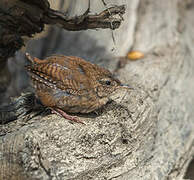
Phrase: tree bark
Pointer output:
(148, 133)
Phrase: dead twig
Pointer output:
(105, 19)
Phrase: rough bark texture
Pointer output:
(148, 133)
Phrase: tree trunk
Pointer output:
(148, 133)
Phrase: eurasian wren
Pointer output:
(71, 84)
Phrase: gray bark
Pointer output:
(148, 133)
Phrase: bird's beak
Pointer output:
(126, 86)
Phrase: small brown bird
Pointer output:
(71, 84)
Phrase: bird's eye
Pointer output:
(108, 82)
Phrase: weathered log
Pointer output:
(149, 133)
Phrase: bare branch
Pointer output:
(103, 20)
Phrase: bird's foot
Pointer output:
(65, 115)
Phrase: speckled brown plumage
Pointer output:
(71, 84)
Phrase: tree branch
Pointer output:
(25, 18)
(103, 20)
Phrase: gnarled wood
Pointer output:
(149, 132)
